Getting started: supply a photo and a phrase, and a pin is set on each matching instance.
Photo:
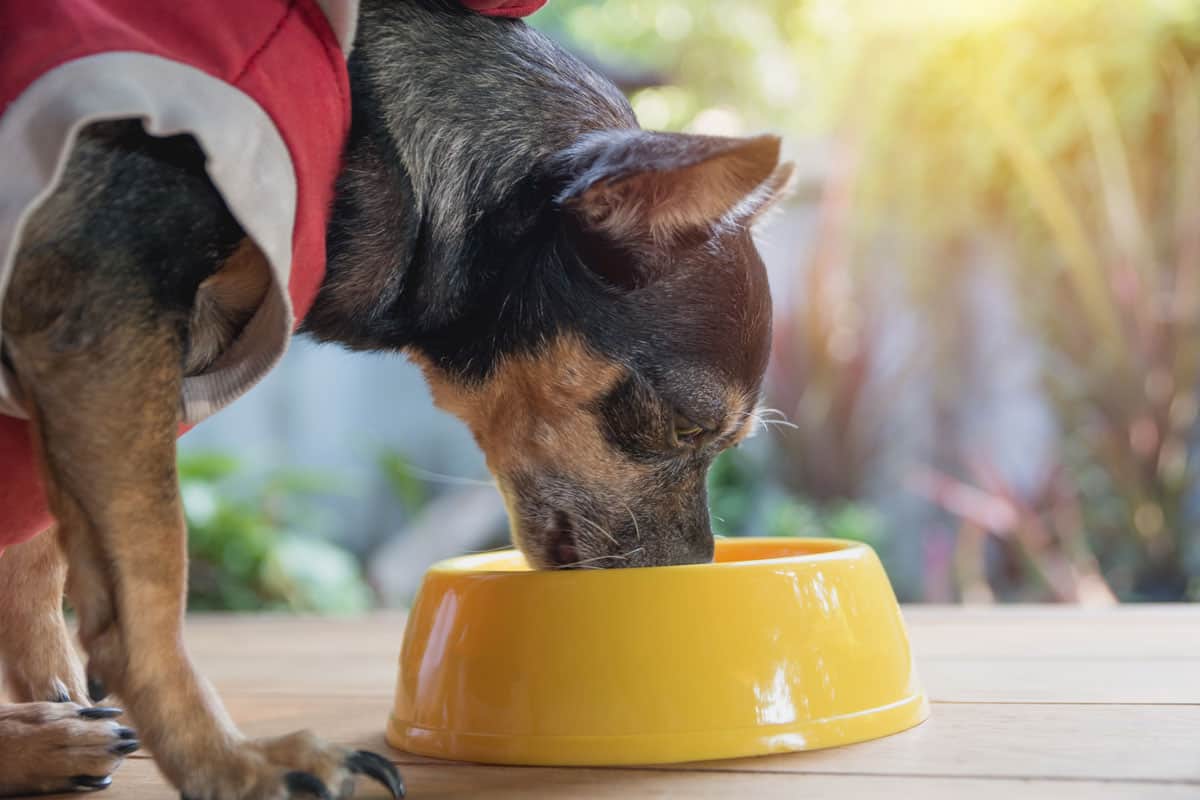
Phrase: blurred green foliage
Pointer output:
(253, 544)
(744, 501)
(1065, 139)
(726, 67)
(408, 487)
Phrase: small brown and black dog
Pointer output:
(585, 295)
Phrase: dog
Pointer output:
(584, 294)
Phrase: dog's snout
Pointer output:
(562, 549)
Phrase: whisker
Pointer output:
(488, 550)
(637, 530)
(590, 563)
(430, 476)
(764, 421)
(591, 560)
(597, 527)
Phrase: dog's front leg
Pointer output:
(38, 660)
(103, 382)
(49, 740)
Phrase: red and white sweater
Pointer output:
(261, 84)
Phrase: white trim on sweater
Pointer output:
(248, 162)
(343, 18)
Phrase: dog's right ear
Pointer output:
(638, 185)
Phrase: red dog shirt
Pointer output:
(268, 100)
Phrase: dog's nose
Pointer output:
(561, 548)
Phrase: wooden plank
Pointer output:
(1041, 632)
(1082, 742)
(978, 680)
(1049, 742)
(1036, 632)
(297, 654)
(1031, 711)
(138, 780)
(1001, 655)
(1156, 612)
(1017, 680)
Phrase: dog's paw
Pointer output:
(298, 766)
(60, 747)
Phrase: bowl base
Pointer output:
(659, 748)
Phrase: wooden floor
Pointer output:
(1027, 703)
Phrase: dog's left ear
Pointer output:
(632, 185)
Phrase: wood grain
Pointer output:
(138, 780)
(1029, 702)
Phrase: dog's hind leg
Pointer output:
(36, 654)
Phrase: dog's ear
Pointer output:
(637, 185)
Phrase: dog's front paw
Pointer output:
(298, 766)
(60, 747)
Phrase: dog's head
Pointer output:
(644, 321)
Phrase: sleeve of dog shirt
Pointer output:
(268, 101)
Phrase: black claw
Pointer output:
(96, 690)
(125, 748)
(373, 765)
(100, 712)
(92, 781)
(126, 733)
(306, 782)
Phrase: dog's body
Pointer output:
(586, 296)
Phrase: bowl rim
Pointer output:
(474, 564)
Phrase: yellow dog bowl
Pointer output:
(782, 644)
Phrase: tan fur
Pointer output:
(759, 203)
(110, 480)
(38, 659)
(740, 425)
(47, 744)
(532, 411)
(533, 417)
(664, 203)
(224, 304)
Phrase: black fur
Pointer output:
(518, 275)
(461, 232)
(452, 237)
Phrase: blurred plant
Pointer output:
(830, 375)
(733, 490)
(407, 482)
(745, 502)
(1054, 561)
(758, 78)
(1073, 131)
(252, 544)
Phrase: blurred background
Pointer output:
(987, 291)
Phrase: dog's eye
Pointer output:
(686, 431)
